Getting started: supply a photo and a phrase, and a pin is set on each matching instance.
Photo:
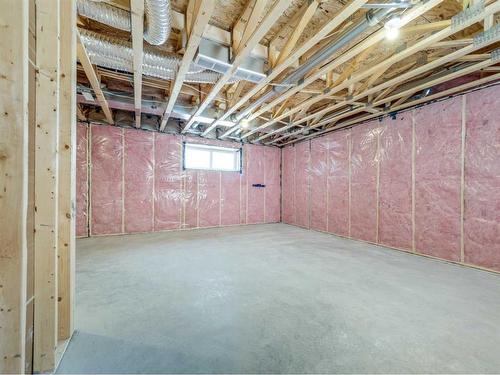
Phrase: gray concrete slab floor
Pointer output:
(276, 299)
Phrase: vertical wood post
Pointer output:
(67, 169)
(13, 182)
(46, 184)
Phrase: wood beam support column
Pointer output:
(67, 170)
(46, 184)
(13, 183)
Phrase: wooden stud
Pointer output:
(67, 170)
(137, 15)
(13, 183)
(46, 184)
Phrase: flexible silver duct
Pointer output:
(157, 18)
(118, 54)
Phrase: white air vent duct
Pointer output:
(216, 57)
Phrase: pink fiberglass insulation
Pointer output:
(168, 196)
(319, 176)
(81, 181)
(482, 179)
(138, 181)
(302, 174)
(437, 179)
(364, 181)
(190, 199)
(395, 182)
(338, 182)
(273, 185)
(209, 196)
(230, 198)
(106, 180)
(288, 185)
(255, 182)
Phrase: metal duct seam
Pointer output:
(117, 54)
(157, 18)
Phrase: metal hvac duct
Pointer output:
(118, 54)
(157, 18)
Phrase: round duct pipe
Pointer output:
(157, 18)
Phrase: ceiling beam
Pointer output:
(92, 77)
(272, 16)
(137, 15)
(200, 22)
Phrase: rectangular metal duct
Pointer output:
(216, 57)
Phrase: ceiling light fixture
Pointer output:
(244, 123)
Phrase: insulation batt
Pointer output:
(137, 184)
(398, 181)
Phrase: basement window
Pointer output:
(212, 158)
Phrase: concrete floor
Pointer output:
(275, 298)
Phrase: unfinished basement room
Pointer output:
(250, 186)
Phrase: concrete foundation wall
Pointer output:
(426, 181)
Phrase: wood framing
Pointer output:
(346, 12)
(67, 170)
(46, 184)
(92, 77)
(342, 59)
(201, 18)
(13, 183)
(137, 15)
(388, 62)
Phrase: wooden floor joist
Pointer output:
(13, 183)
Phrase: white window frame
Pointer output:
(236, 151)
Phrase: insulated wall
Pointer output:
(132, 181)
(425, 181)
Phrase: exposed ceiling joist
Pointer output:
(346, 12)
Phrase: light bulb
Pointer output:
(392, 28)
(391, 33)
(244, 123)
